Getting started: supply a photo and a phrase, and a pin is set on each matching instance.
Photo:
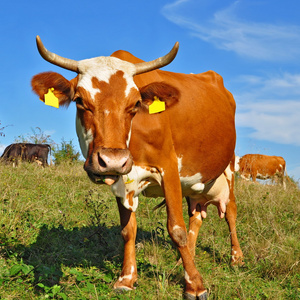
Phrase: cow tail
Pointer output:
(286, 174)
(161, 204)
(50, 155)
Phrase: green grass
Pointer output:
(60, 239)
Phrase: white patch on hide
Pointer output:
(228, 173)
(179, 162)
(137, 180)
(237, 164)
(187, 277)
(192, 183)
(176, 227)
(84, 137)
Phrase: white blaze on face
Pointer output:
(84, 137)
(103, 68)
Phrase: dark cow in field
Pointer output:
(12, 153)
(259, 166)
(185, 149)
(27, 152)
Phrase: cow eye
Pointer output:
(78, 101)
(136, 107)
(138, 104)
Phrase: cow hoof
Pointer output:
(122, 289)
(202, 296)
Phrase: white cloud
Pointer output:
(272, 122)
(2, 147)
(295, 173)
(271, 107)
(279, 86)
(229, 32)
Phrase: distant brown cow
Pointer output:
(261, 167)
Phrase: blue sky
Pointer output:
(253, 44)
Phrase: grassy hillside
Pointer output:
(60, 239)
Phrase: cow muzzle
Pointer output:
(106, 165)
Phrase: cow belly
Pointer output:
(245, 176)
(148, 181)
(263, 176)
(189, 185)
(217, 193)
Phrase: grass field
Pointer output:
(60, 239)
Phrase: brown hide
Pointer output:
(205, 133)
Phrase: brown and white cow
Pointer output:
(182, 151)
(252, 166)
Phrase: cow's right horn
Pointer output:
(55, 59)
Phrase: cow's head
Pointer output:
(107, 99)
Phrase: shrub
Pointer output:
(65, 152)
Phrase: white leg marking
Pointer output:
(187, 277)
(130, 276)
(176, 227)
(198, 217)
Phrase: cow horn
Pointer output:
(157, 63)
(55, 59)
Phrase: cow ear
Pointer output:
(163, 91)
(63, 89)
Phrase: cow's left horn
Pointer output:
(157, 63)
(55, 59)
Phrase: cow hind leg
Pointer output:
(195, 222)
(282, 179)
(129, 228)
(230, 216)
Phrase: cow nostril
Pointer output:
(101, 161)
(124, 164)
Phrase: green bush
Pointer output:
(65, 152)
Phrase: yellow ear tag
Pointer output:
(51, 99)
(157, 106)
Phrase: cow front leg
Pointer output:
(129, 228)
(230, 216)
(194, 288)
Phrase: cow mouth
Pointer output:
(103, 179)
